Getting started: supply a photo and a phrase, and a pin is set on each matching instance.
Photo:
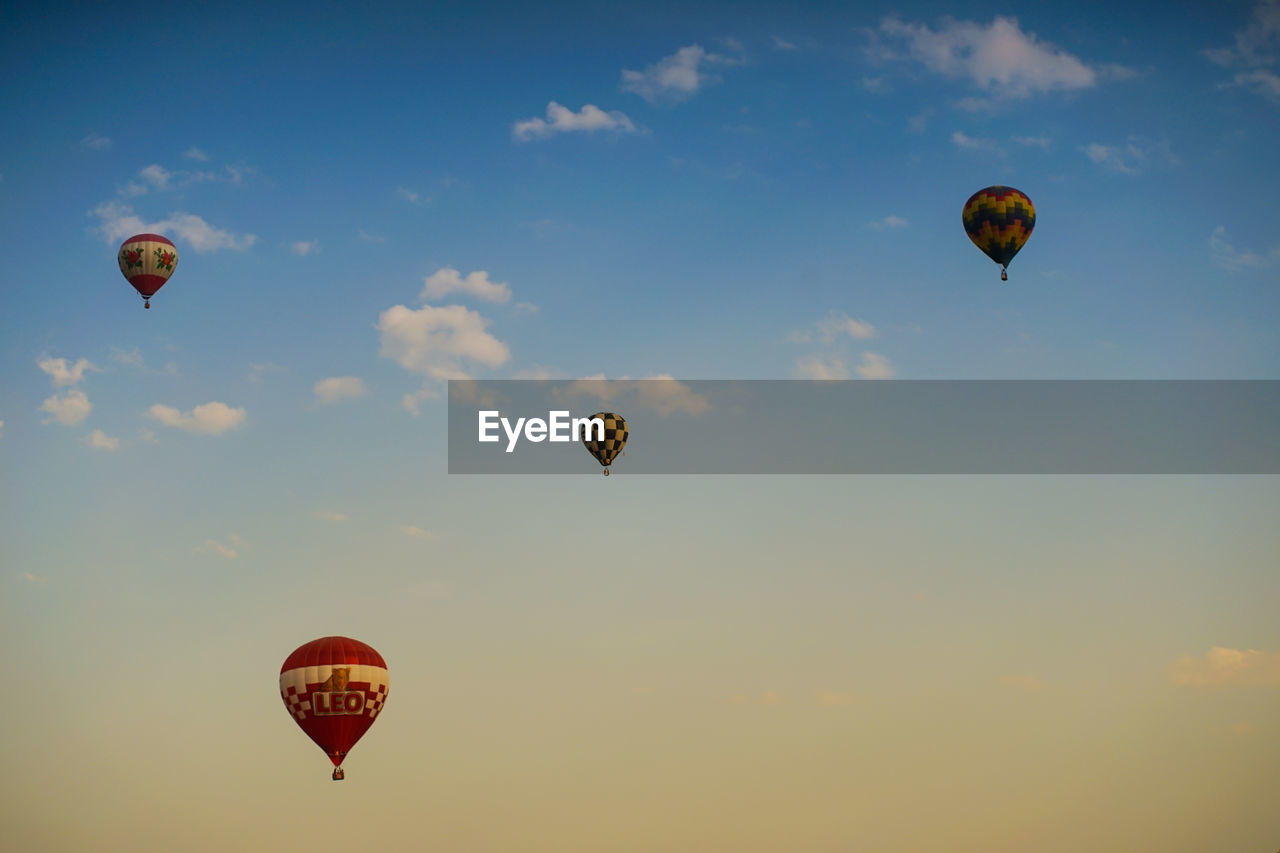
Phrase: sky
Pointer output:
(368, 204)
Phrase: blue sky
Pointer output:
(366, 203)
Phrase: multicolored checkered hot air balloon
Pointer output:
(606, 449)
(334, 688)
(147, 261)
(999, 220)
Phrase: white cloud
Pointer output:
(999, 58)
(209, 418)
(1131, 158)
(1038, 141)
(415, 532)
(96, 142)
(194, 153)
(230, 551)
(99, 440)
(564, 120)
(330, 515)
(408, 195)
(64, 373)
(835, 325)
(890, 221)
(305, 247)
(447, 280)
(337, 388)
(157, 176)
(434, 342)
(118, 222)
(875, 366)
(1256, 48)
(780, 43)
(33, 579)
(132, 358)
(257, 371)
(963, 140)
(661, 394)
(676, 77)
(875, 85)
(1228, 257)
(817, 368)
(1223, 667)
(371, 238)
(69, 409)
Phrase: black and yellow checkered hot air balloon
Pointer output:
(615, 437)
(999, 220)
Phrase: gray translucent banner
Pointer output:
(879, 427)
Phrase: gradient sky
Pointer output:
(367, 203)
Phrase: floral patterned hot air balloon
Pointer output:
(147, 261)
(999, 220)
(615, 438)
(334, 688)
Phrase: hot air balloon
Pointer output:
(615, 438)
(999, 220)
(334, 688)
(147, 261)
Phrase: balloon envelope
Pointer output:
(999, 220)
(615, 438)
(147, 261)
(334, 688)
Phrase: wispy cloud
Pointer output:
(1228, 257)
(69, 409)
(661, 394)
(815, 367)
(998, 58)
(415, 532)
(330, 515)
(963, 140)
(371, 238)
(97, 142)
(33, 579)
(889, 221)
(410, 196)
(875, 366)
(1222, 667)
(834, 326)
(337, 388)
(99, 440)
(63, 372)
(118, 221)
(435, 342)
(305, 247)
(212, 418)
(194, 153)
(1037, 141)
(1254, 52)
(780, 43)
(258, 371)
(589, 119)
(676, 77)
(447, 280)
(769, 697)
(229, 551)
(1133, 157)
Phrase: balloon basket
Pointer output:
(339, 774)
(606, 472)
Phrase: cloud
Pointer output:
(1222, 667)
(564, 120)
(305, 247)
(890, 221)
(330, 515)
(194, 153)
(209, 418)
(96, 142)
(1, 428)
(676, 77)
(999, 58)
(435, 342)
(157, 176)
(767, 698)
(409, 195)
(1023, 682)
(817, 368)
(33, 579)
(1255, 50)
(257, 371)
(133, 357)
(118, 222)
(875, 366)
(661, 394)
(963, 140)
(1038, 141)
(832, 699)
(780, 43)
(230, 551)
(69, 409)
(337, 388)
(371, 238)
(99, 440)
(835, 325)
(447, 280)
(1131, 158)
(415, 532)
(64, 373)
(1228, 257)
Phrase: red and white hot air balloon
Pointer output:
(334, 688)
(147, 261)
